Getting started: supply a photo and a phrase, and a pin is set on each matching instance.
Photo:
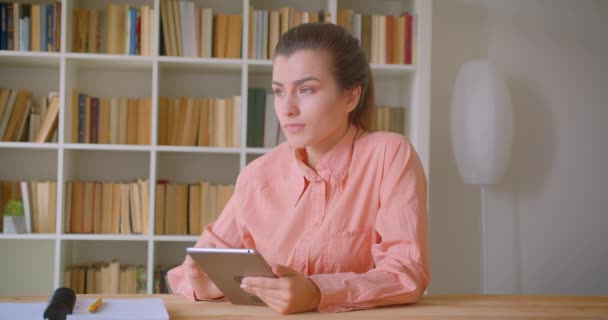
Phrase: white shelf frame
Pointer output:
(418, 123)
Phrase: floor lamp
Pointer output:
(482, 132)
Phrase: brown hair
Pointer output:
(350, 66)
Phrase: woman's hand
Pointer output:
(202, 286)
(291, 292)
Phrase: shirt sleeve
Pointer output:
(225, 232)
(401, 273)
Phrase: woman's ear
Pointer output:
(352, 97)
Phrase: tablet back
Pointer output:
(227, 267)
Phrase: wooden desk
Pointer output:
(430, 307)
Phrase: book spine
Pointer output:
(3, 26)
(50, 22)
(94, 120)
(82, 101)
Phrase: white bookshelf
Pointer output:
(33, 263)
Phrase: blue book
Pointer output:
(43, 27)
(3, 26)
(133, 38)
(82, 104)
(50, 23)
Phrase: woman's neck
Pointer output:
(316, 153)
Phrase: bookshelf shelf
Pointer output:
(30, 59)
(114, 61)
(107, 147)
(257, 150)
(157, 76)
(29, 145)
(43, 236)
(188, 239)
(211, 63)
(220, 150)
(104, 237)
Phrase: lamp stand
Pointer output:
(484, 245)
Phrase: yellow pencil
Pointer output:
(95, 305)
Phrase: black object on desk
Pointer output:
(61, 303)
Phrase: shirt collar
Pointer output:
(333, 166)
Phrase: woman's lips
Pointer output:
(294, 127)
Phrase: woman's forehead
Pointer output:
(301, 64)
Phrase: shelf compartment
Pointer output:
(102, 6)
(36, 74)
(30, 59)
(27, 266)
(183, 91)
(84, 252)
(193, 167)
(109, 79)
(178, 44)
(199, 80)
(87, 251)
(106, 166)
(28, 164)
(167, 254)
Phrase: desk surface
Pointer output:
(430, 307)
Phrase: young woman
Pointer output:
(339, 212)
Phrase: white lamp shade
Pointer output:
(481, 123)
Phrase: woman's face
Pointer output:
(312, 110)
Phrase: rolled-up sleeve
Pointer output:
(401, 272)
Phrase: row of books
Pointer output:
(263, 129)
(217, 121)
(266, 27)
(123, 208)
(116, 120)
(129, 30)
(187, 208)
(22, 119)
(200, 122)
(105, 278)
(161, 284)
(103, 207)
(199, 32)
(30, 27)
(119, 120)
(385, 39)
(390, 118)
(39, 203)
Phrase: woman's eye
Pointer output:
(306, 90)
(278, 92)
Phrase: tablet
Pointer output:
(227, 267)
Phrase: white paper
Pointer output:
(121, 309)
(22, 311)
(111, 309)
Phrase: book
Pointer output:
(25, 196)
(49, 122)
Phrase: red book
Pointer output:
(408, 38)
(94, 137)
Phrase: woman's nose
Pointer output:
(289, 105)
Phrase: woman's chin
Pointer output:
(297, 143)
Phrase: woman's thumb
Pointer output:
(284, 271)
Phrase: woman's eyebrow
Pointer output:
(297, 82)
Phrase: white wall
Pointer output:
(547, 221)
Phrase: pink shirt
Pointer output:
(357, 226)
